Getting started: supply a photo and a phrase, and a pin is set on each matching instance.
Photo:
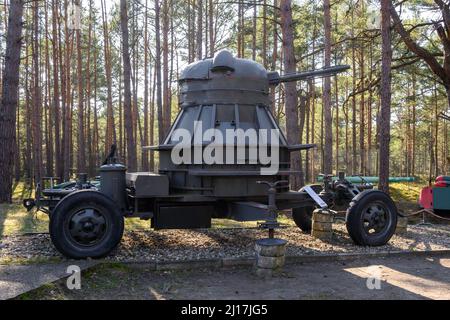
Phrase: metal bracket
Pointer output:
(315, 197)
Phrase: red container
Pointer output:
(442, 184)
(426, 198)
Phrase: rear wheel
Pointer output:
(303, 216)
(86, 224)
(371, 218)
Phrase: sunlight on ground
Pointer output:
(420, 285)
(409, 191)
(14, 218)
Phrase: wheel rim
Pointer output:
(87, 227)
(376, 218)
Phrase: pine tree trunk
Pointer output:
(354, 160)
(385, 110)
(264, 36)
(37, 100)
(90, 149)
(199, 29)
(212, 34)
(49, 132)
(290, 88)
(110, 128)
(165, 68)
(158, 72)
(9, 100)
(146, 88)
(81, 153)
(274, 52)
(131, 146)
(328, 155)
(56, 92)
(254, 32)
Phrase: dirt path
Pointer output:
(401, 278)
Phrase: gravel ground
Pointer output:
(177, 245)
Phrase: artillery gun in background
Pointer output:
(223, 93)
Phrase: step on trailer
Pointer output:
(223, 93)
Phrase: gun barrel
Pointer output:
(298, 76)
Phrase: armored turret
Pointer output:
(226, 94)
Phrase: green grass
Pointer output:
(406, 195)
(49, 291)
(14, 218)
(13, 261)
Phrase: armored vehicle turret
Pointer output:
(224, 156)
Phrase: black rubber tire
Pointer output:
(303, 216)
(354, 219)
(73, 203)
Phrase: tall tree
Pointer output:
(212, 34)
(199, 29)
(37, 99)
(56, 91)
(131, 145)
(290, 88)
(146, 89)
(158, 71)
(81, 154)
(9, 100)
(328, 150)
(110, 128)
(385, 111)
(165, 68)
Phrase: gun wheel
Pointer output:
(371, 218)
(86, 224)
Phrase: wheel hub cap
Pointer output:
(375, 219)
(87, 226)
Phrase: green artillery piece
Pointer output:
(224, 157)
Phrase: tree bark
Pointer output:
(131, 146)
(328, 149)
(146, 88)
(9, 101)
(212, 34)
(37, 100)
(81, 154)
(110, 128)
(56, 91)
(385, 109)
(199, 29)
(158, 72)
(290, 88)
(165, 68)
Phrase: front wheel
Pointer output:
(371, 218)
(86, 224)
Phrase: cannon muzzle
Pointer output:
(276, 79)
